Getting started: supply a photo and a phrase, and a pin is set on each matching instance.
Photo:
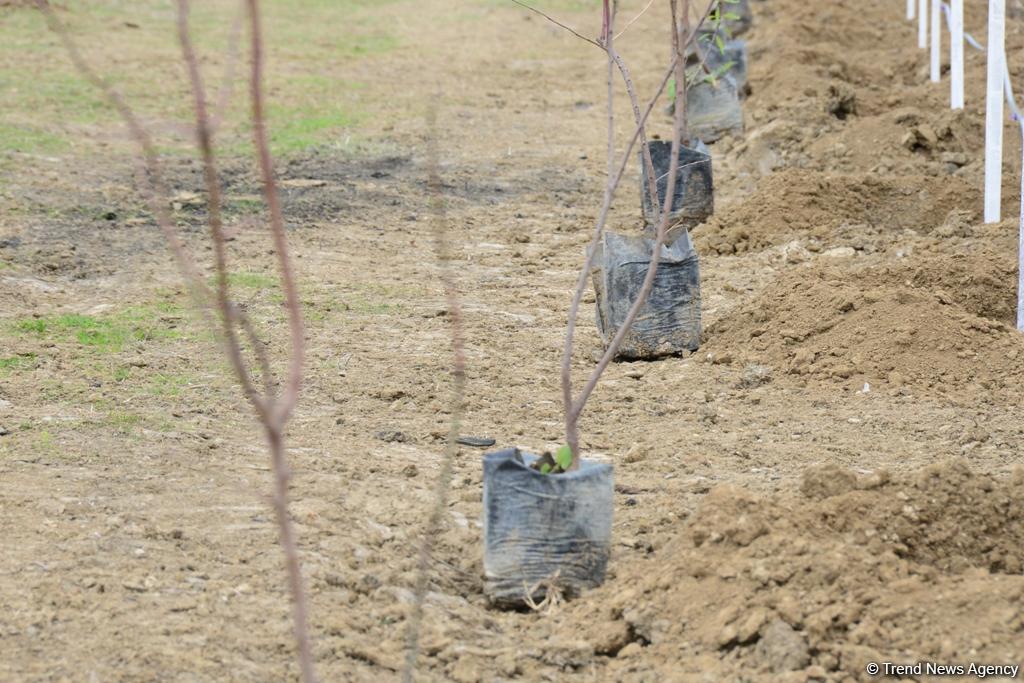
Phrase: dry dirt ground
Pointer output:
(833, 479)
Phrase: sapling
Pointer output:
(272, 409)
(683, 35)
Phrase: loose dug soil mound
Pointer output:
(924, 326)
(797, 203)
(822, 581)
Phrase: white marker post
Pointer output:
(994, 110)
(956, 55)
(911, 5)
(922, 24)
(936, 41)
(1020, 244)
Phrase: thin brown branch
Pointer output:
(576, 409)
(558, 23)
(571, 414)
(283, 407)
(158, 193)
(572, 434)
(442, 252)
(293, 382)
(645, 148)
(227, 86)
(273, 420)
(634, 19)
(204, 140)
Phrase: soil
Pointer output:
(833, 479)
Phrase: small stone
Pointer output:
(751, 626)
(635, 454)
(631, 650)
(840, 252)
(726, 636)
(782, 649)
(928, 134)
(392, 436)
(955, 158)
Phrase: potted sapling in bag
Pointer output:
(670, 321)
(548, 517)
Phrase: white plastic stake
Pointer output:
(994, 110)
(1020, 246)
(922, 24)
(911, 5)
(936, 41)
(956, 55)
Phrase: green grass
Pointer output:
(251, 280)
(293, 130)
(166, 384)
(309, 42)
(17, 362)
(123, 421)
(30, 139)
(106, 333)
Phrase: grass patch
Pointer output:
(17, 362)
(294, 131)
(251, 280)
(166, 385)
(135, 45)
(123, 422)
(108, 333)
(30, 139)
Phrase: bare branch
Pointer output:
(681, 38)
(645, 149)
(283, 407)
(634, 19)
(204, 140)
(296, 358)
(273, 414)
(442, 252)
(558, 23)
(158, 193)
(648, 283)
(571, 413)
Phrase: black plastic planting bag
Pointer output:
(669, 321)
(694, 198)
(714, 109)
(744, 17)
(544, 531)
(735, 56)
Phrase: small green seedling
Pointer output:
(557, 464)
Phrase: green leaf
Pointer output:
(563, 456)
(545, 468)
